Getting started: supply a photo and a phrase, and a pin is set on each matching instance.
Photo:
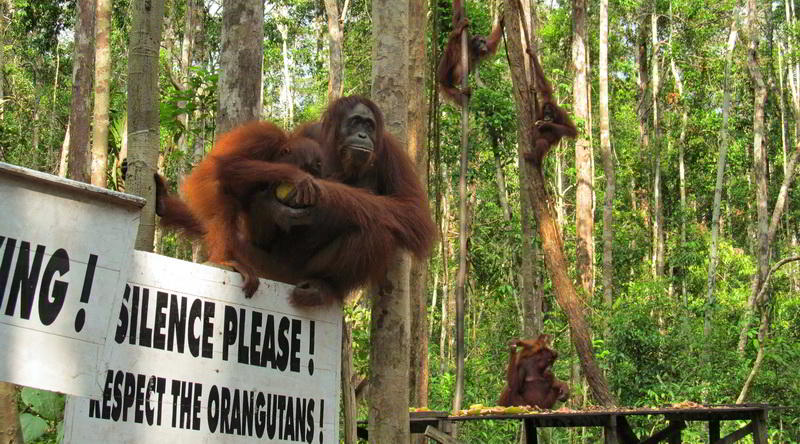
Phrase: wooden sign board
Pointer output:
(190, 359)
(64, 253)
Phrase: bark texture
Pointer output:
(390, 324)
(721, 162)
(417, 137)
(10, 427)
(584, 193)
(80, 105)
(241, 56)
(143, 112)
(102, 80)
(608, 167)
(335, 65)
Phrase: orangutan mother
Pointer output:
(337, 233)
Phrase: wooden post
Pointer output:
(610, 431)
(760, 427)
(713, 431)
(675, 436)
(530, 432)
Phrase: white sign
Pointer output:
(190, 359)
(64, 252)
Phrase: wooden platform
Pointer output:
(615, 425)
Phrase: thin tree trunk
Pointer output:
(532, 322)
(143, 112)
(658, 206)
(461, 277)
(584, 192)
(447, 313)
(35, 118)
(287, 102)
(500, 178)
(349, 404)
(721, 162)
(642, 108)
(335, 82)
(63, 158)
(608, 169)
(102, 97)
(241, 56)
(3, 26)
(549, 233)
(763, 330)
(531, 304)
(417, 136)
(10, 427)
(390, 323)
(759, 169)
(336, 67)
(82, 71)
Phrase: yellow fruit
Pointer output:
(282, 191)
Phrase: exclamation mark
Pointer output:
(321, 417)
(88, 280)
(311, 349)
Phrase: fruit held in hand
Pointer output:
(282, 191)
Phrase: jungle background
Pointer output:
(686, 311)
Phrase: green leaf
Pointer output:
(32, 426)
(48, 404)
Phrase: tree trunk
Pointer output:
(417, 137)
(447, 299)
(10, 427)
(335, 65)
(64, 156)
(759, 169)
(643, 114)
(390, 324)
(349, 404)
(549, 233)
(461, 277)
(3, 25)
(82, 71)
(500, 178)
(658, 201)
(681, 163)
(531, 299)
(721, 162)
(763, 330)
(608, 169)
(102, 97)
(143, 112)
(584, 192)
(287, 101)
(241, 55)
(335, 81)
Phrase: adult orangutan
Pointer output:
(529, 378)
(450, 71)
(552, 123)
(337, 234)
(371, 204)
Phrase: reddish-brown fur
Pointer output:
(552, 123)
(368, 212)
(351, 226)
(529, 378)
(450, 71)
(218, 188)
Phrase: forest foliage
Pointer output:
(655, 351)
